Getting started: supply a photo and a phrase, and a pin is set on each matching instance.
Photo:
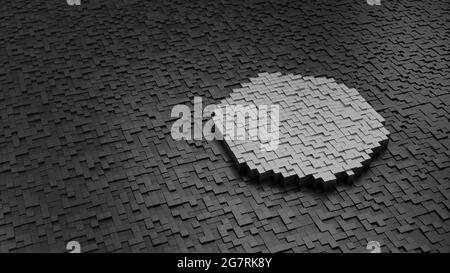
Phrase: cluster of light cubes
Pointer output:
(326, 130)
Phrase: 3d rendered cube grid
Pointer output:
(325, 129)
(86, 152)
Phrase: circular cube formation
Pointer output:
(327, 131)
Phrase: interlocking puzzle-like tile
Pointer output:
(325, 129)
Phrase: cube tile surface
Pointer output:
(86, 152)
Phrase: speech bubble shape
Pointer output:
(327, 131)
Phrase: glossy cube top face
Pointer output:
(324, 128)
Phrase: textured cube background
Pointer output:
(85, 146)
